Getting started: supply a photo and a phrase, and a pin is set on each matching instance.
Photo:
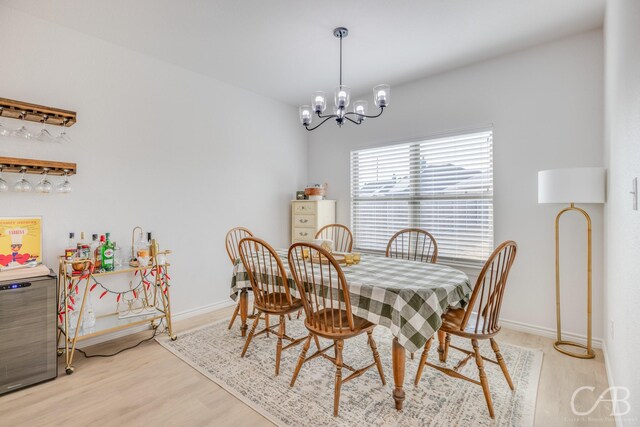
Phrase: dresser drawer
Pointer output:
(304, 220)
(303, 234)
(305, 207)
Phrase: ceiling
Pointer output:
(285, 50)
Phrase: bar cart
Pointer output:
(152, 294)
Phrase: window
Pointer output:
(443, 185)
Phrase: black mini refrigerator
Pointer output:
(28, 344)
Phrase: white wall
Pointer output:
(622, 148)
(178, 153)
(546, 108)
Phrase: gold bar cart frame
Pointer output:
(68, 282)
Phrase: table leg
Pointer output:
(441, 338)
(398, 357)
(244, 311)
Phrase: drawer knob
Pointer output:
(304, 221)
(304, 233)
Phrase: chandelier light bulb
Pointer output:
(360, 108)
(381, 95)
(305, 115)
(319, 102)
(342, 96)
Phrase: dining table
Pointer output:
(406, 296)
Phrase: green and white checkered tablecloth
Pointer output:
(408, 297)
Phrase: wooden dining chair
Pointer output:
(340, 234)
(270, 290)
(479, 320)
(325, 296)
(413, 244)
(232, 240)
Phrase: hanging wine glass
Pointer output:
(65, 186)
(4, 131)
(63, 137)
(22, 185)
(22, 131)
(44, 186)
(3, 184)
(44, 135)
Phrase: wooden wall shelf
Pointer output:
(10, 164)
(36, 113)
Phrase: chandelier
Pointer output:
(342, 94)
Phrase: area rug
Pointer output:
(439, 400)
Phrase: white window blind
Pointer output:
(442, 185)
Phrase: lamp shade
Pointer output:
(575, 185)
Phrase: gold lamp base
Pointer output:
(589, 354)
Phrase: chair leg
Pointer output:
(279, 345)
(315, 338)
(251, 332)
(412, 355)
(441, 338)
(423, 360)
(299, 313)
(447, 341)
(235, 314)
(336, 398)
(503, 365)
(266, 324)
(376, 356)
(303, 356)
(483, 376)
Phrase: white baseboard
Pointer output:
(145, 327)
(204, 309)
(607, 368)
(548, 332)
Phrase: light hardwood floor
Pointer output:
(149, 386)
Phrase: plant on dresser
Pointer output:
(309, 216)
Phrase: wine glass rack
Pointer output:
(36, 167)
(36, 113)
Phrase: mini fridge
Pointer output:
(28, 344)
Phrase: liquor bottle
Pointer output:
(71, 249)
(98, 253)
(107, 254)
(94, 245)
(82, 247)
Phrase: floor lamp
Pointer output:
(576, 185)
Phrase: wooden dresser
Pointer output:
(309, 216)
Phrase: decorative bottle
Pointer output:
(98, 253)
(70, 251)
(107, 251)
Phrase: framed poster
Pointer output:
(20, 240)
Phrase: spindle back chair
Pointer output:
(413, 244)
(231, 240)
(325, 295)
(270, 285)
(479, 320)
(340, 234)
